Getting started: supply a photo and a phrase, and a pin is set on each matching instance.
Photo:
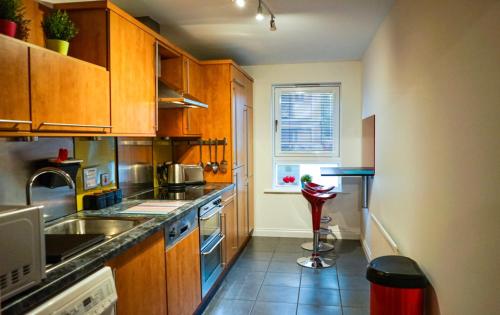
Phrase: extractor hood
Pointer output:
(168, 98)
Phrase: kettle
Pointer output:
(175, 175)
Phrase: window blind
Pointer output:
(307, 121)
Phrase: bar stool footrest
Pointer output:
(323, 246)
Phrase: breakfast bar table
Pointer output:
(364, 172)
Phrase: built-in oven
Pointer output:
(210, 221)
(210, 243)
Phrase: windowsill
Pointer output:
(296, 191)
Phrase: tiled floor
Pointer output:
(266, 280)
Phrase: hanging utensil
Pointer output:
(200, 163)
(208, 166)
(223, 164)
(215, 166)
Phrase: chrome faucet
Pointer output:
(45, 170)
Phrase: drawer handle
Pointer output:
(75, 125)
(214, 247)
(11, 121)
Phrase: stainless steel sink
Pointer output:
(110, 227)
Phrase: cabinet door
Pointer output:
(140, 278)
(230, 228)
(249, 143)
(68, 94)
(133, 76)
(183, 275)
(239, 125)
(251, 209)
(241, 204)
(14, 94)
(193, 118)
(194, 79)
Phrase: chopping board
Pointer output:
(59, 247)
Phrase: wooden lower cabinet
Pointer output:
(183, 275)
(230, 228)
(140, 278)
(250, 206)
(240, 181)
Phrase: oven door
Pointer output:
(211, 263)
(210, 225)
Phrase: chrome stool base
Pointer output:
(322, 246)
(315, 262)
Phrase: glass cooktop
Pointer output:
(165, 193)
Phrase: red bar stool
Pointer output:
(322, 246)
(316, 199)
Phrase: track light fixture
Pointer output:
(272, 23)
(260, 15)
(240, 3)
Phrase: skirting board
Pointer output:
(301, 233)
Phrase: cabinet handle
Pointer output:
(214, 247)
(74, 125)
(157, 75)
(12, 121)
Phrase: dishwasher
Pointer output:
(95, 294)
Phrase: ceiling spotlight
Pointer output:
(240, 3)
(272, 24)
(260, 15)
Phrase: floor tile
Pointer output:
(278, 294)
(241, 291)
(233, 307)
(315, 296)
(355, 298)
(252, 265)
(353, 283)
(284, 266)
(273, 308)
(242, 275)
(355, 311)
(282, 279)
(332, 271)
(318, 310)
(319, 280)
(288, 257)
(257, 255)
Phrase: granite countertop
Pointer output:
(64, 275)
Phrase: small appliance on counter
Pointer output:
(23, 260)
(193, 174)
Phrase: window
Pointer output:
(306, 133)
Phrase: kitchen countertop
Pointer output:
(64, 275)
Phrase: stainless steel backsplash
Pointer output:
(18, 160)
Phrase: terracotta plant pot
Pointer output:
(8, 27)
(61, 46)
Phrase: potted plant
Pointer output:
(306, 178)
(59, 30)
(12, 19)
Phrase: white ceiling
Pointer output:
(308, 30)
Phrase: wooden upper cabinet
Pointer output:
(68, 94)
(140, 278)
(184, 75)
(180, 122)
(133, 76)
(14, 93)
(183, 275)
(239, 125)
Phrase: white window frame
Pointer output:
(323, 87)
(297, 158)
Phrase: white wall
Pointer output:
(288, 214)
(431, 77)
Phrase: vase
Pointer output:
(8, 27)
(61, 46)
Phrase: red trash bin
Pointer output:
(397, 286)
